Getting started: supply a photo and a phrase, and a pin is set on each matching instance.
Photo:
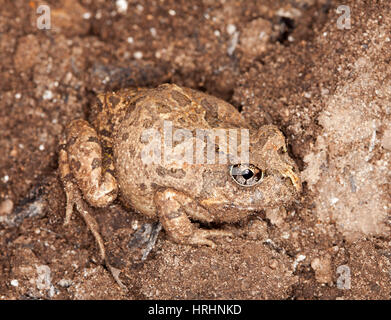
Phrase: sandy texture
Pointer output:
(280, 62)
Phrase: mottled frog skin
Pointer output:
(101, 160)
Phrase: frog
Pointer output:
(105, 159)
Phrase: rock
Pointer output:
(322, 268)
(276, 216)
(255, 37)
(386, 140)
(257, 230)
(6, 207)
(70, 19)
(27, 53)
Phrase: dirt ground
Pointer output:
(295, 64)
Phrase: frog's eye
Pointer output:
(246, 175)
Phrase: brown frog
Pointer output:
(134, 147)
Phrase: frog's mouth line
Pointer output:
(224, 203)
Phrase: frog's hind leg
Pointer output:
(80, 165)
(173, 208)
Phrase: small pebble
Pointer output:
(231, 29)
(41, 147)
(14, 283)
(386, 139)
(18, 95)
(171, 12)
(87, 15)
(65, 283)
(153, 32)
(47, 95)
(322, 268)
(122, 6)
(138, 55)
(130, 40)
(334, 200)
(273, 264)
(6, 207)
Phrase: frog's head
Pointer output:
(268, 156)
(270, 179)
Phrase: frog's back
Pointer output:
(148, 110)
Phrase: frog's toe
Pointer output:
(201, 237)
(219, 233)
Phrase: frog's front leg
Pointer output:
(81, 169)
(173, 209)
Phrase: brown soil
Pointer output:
(281, 62)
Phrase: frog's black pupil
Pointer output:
(247, 174)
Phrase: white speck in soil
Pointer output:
(122, 6)
(14, 283)
(234, 42)
(47, 95)
(231, 28)
(87, 15)
(138, 55)
(334, 200)
(300, 257)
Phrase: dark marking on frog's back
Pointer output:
(105, 133)
(93, 139)
(147, 123)
(98, 104)
(142, 186)
(71, 141)
(125, 136)
(211, 114)
(76, 165)
(114, 101)
(193, 117)
(180, 98)
(96, 163)
(162, 108)
(131, 150)
(175, 173)
(139, 99)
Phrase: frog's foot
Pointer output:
(200, 237)
(74, 198)
(173, 207)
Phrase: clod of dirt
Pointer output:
(323, 269)
(254, 37)
(6, 207)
